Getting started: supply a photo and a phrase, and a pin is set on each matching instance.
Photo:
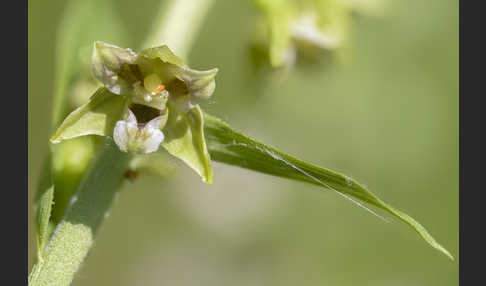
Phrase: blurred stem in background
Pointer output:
(94, 186)
(179, 22)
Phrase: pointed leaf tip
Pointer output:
(231, 147)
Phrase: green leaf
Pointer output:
(97, 117)
(184, 138)
(228, 146)
(42, 219)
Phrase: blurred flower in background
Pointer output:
(308, 27)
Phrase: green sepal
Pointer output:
(43, 214)
(231, 147)
(97, 117)
(164, 54)
(184, 139)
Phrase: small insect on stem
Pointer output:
(131, 175)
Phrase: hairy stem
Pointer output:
(74, 235)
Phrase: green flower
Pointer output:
(149, 99)
(306, 26)
(152, 76)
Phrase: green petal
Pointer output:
(231, 147)
(184, 138)
(110, 65)
(198, 85)
(97, 117)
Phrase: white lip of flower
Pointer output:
(130, 138)
(306, 30)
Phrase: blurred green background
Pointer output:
(388, 118)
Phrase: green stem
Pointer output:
(74, 235)
(180, 21)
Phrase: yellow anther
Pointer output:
(160, 88)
